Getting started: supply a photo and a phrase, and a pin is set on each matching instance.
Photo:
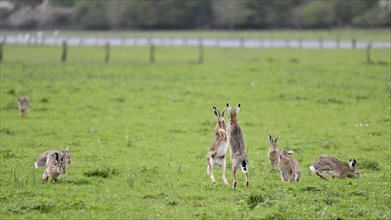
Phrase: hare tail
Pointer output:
(313, 169)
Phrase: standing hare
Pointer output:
(24, 106)
(54, 167)
(216, 154)
(289, 168)
(236, 141)
(274, 152)
(334, 167)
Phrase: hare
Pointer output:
(41, 159)
(24, 106)
(54, 167)
(334, 167)
(216, 154)
(289, 167)
(236, 141)
(274, 152)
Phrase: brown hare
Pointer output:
(334, 167)
(236, 141)
(216, 154)
(289, 167)
(24, 106)
(274, 152)
(54, 167)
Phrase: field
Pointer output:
(139, 132)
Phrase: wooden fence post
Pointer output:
(152, 53)
(107, 55)
(321, 43)
(369, 46)
(300, 43)
(200, 51)
(337, 43)
(1, 51)
(64, 51)
(354, 43)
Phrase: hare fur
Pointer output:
(334, 167)
(236, 141)
(216, 154)
(24, 106)
(289, 168)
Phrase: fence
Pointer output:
(199, 42)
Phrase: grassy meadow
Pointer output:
(139, 132)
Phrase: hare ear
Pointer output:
(216, 111)
(229, 109)
(55, 155)
(270, 138)
(237, 109)
(67, 150)
(277, 139)
(352, 164)
(222, 113)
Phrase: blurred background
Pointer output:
(193, 14)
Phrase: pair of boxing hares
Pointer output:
(290, 170)
(225, 135)
(55, 163)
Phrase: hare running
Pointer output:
(334, 167)
(24, 106)
(236, 141)
(289, 167)
(54, 167)
(216, 154)
(274, 152)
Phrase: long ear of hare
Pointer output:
(222, 113)
(270, 138)
(56, 156)
(352, 164)
(217, 113)
(237, 109)
(67, 150)
(229, 109)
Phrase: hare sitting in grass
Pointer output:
(24, 106)
(41, 160)
(289, 168)
(216, 154)
(54, 167)
(274, 152)
(236, 141)
(334, 167)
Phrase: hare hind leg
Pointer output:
(223, 168)
(247, 181)
(234, 176)
(210, 169)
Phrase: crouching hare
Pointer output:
(334, 167)
(216, 154)
(236, 141)
(289, 167)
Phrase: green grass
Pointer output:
(139, 132)
(332, 34)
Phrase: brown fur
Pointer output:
(289, 168)
(55, 166)
(24, 106)
(334, 167)
(236, 141)
(216, 154)
(274, 152)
